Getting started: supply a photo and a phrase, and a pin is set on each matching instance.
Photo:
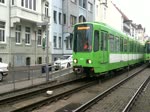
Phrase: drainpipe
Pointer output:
(63, 27)
(9, 51)
(35, 47)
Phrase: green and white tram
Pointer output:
(99, 48)
(147, 51)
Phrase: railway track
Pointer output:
(34, 99)
(137, 93)
(102, 100)
(25, 92)
(37, 98)
(72, 102)
(142, 101)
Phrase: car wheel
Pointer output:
(1, 77)
(4, 74)
(68, 65)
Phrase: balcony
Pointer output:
(18, 13)
(45, 18)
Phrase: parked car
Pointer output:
(63, 62)
(3, 70)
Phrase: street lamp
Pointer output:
(47, 47)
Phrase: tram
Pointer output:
(99, 48)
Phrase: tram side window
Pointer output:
(134, 47)
(111, 43)
(121, 44)
(96, 41)
(125, 45)
(132, 50)
(130, 47)
(104, 41)
(148, 50)
(138, 50)
(117, 43)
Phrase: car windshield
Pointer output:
(64, 57)
(83, 38)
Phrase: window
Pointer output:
(59, 18)
(111, 43)
(68, 42)
(83, 38)
(39, 60)
(34, 4)
(125, 45)
(18, 34)
(2, 31)
(12, 2)
(90, 6)
(28, 61)
(121, 44)
(27, 35)
(30, 4)
(46, 9)
(55, 42)
(60, 42)
(96, 41)
(39, 37)
(2, 1)
(103, 41)
(0, 59)
(131, 47)
(73, 20)
(64, 18)
(22, 3)
(26, 3)
(82, 3)
(55, 16)
(82, 19)
(117, 44)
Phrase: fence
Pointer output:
(25, 76)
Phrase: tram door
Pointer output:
(103, 47)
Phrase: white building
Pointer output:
(56, 28)
(20, 36)
(64, 14)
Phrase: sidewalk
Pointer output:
(28, 83)
(21, 84)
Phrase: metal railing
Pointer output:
(25, 76)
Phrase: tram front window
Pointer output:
(148, 48)
(83, 38)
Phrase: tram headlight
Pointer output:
(88, 61)
(75, 61)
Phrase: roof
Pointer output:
(123, 15)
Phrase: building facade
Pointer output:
(26, 24)
(56, 28)
(22, 31)
(66, 13)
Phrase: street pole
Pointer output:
(47, 47)
(47, 57)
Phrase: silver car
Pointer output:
(3, 70)
(63, 62)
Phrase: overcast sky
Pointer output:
(136, 10)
